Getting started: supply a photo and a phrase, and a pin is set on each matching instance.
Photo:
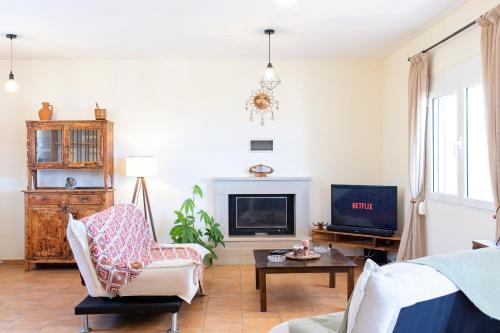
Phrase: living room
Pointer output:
(197, 110)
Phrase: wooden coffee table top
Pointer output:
(332, 259)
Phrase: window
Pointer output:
(444, 141)
(458, 156)
(478, 183)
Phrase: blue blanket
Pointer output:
(476, 273)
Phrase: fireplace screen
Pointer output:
(261, 213)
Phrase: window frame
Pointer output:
(454, 80)
(475, 203)
(438, 196)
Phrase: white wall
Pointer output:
(448, 227)
(190, 114)
(340, 121)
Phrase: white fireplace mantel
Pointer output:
(261, 179)
(300, 186)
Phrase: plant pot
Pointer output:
(46, 112)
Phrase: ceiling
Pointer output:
(227, 29)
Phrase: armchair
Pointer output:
(118, 259)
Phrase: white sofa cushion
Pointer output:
(381, 292)
(393, 287)
(359, 292)
(167, 277)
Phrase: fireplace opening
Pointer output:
(266, 214)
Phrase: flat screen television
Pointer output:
(364, 209)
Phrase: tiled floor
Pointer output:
(43, 301)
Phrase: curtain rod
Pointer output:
(448, 37)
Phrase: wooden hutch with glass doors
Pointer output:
(66, 146)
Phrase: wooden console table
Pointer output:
(359, 241)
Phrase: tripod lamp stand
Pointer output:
(141, 167)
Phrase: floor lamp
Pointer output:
(141, 167)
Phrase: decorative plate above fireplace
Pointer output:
(261, 170)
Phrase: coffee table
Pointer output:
(331, 262)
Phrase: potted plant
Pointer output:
(185, 230)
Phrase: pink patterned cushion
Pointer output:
(121, 245)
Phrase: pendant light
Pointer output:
(11, 85)
(270, 79)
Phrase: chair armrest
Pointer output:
(200, 249)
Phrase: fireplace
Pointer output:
(261, 214)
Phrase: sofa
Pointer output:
(126, 271)
(401, 297)
(180, 273)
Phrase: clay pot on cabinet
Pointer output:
(46, 112)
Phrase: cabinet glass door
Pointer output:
(48, 147)
(84, 146)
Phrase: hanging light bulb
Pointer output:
(270, 79)
(11, 85)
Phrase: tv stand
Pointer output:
(356, 240)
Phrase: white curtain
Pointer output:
(490, 55)
(413, 238)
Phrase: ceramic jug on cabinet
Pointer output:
(45, 113)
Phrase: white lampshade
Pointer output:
(140, 166)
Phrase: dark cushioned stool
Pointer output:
(129, 304)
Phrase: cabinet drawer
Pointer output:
(84, 199)
(44, 199)
(81, 211)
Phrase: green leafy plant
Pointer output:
(185, 230)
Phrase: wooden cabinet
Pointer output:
(85, 145)
(359, 241)
(64, 145)
(46, 218)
